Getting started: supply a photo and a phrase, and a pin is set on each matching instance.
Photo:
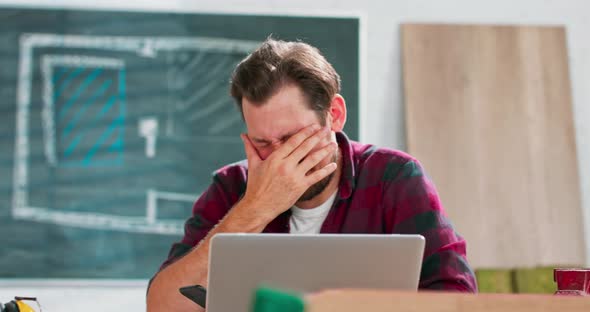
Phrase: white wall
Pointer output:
(381, 109)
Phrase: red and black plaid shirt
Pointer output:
(381, 191)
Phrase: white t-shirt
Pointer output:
(309, 221)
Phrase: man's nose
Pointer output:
(274, 146)
(269, 149)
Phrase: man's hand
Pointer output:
(276, 183)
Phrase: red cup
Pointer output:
(572, 282)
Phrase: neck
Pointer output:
(328, 191)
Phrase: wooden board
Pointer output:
(377, 301)
(489, 114)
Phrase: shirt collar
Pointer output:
(346, 185)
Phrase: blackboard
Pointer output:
(112, 123)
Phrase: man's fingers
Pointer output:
(316, 157)
(294, 141)
(318, 175)
(251, 153)
(309, 144)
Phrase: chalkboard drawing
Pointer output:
(79, 100)
(100, 93)
(148, 128)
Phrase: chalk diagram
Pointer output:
(91, 126)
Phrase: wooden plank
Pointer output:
(382, 301)
(488, 113)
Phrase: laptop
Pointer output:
(239, 263)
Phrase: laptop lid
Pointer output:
(239, 263)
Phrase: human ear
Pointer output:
(337, 113)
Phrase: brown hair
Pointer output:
(276, 63)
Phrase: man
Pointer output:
(303, 175)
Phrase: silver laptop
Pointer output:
(239, 263)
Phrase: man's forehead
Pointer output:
(278, 134)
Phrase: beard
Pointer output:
(319, 186)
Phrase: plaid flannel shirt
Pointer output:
(381, 191)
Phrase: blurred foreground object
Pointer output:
(17, 305)
(572, 282)
(349, 300)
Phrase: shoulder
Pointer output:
(383, 163)
(371, 153)
(232, 177)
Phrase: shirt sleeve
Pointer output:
(413, 207)
(207, 211)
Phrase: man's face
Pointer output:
(273, 123)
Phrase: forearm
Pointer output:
(192, 269)
(164, 295)
(447, 269)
